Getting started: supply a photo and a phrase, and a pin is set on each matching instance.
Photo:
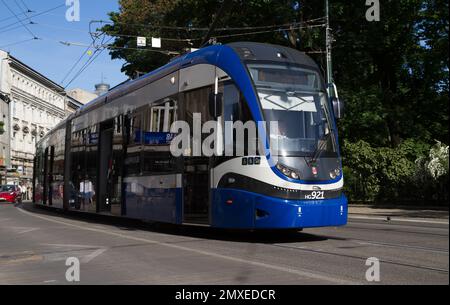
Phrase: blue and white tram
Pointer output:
(114, 157)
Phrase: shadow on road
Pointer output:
(248, 236)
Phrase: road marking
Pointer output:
(70, 246)
(93, 255)
(23, 230)
(84, 252)
(399, 219)
(301, 273)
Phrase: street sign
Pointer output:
(141, 41)
(156, 43)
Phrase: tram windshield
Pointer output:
(295, 98)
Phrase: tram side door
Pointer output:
(105, 166)
(49, 156)
(197, 167)
(46, 182)
(50, 175)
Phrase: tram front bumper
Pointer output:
(245, 210)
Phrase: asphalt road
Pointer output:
(35, 243)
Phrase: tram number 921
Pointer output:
(315, 195)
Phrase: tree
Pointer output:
(393, 73)
(158, 19)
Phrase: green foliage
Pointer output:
(145, 18)
(407, 172)
(432, 171)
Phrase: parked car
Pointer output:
(10, 193)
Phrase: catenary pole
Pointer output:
(329, 40)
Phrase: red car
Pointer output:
(10, 193)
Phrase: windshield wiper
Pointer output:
(320, 147)
(296, 92)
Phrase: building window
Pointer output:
(13, 108)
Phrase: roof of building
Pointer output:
(21, 66)
(24, 68)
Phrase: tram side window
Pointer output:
(197, 101)
(231, 98)
(162, 116)
(134, 146)
(77, 152)
(236, 109)
(136, 129)
(116, 164)
(89, 186)
(157, 138)
(118, 130)
(58, 166)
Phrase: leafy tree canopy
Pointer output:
(393, 74)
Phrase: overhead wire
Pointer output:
(26, 11)
(99, 48)
(13, 28)
(169, 52)
(187, 28)
(32, 16)
(281, 29)
(94, 56)
(19, 42)
(84, 66)
(11, 17)
(17, 17)
(24, 4)
(75, 64)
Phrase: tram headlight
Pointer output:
(288, 172)
(294, 175)
(280, 167)
(335, 173)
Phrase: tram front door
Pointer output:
(196, 191)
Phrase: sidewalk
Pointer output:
(414, 213)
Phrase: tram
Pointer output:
(114, 156)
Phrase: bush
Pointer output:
(410, 172)
(432, 172)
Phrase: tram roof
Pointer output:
(247, 51)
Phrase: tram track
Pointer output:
(362, 258)
(397, 231)
(390, 245)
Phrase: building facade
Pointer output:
(81, 95)
(31, 105)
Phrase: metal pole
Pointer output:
(328, 50)
(222, 10)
